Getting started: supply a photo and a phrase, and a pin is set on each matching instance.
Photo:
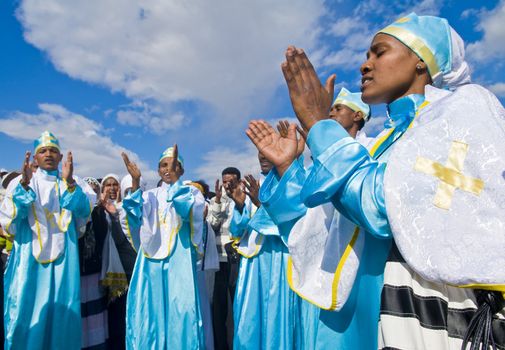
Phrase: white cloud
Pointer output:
(355, 32)
(245, 159)
(498, 89)
(492, 44)
(95, 154)
(221, 53)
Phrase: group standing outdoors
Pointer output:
(392, 242)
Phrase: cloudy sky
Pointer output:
(108, 76)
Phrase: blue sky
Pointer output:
(108, 76)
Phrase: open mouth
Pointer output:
(365, 81)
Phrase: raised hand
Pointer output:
(26, 171)
(252, 189)
(311, 100)
(106, 203)
(218, 190)
(280, 151)
(133, 170)
(67, 170)
(174, 174)
(283, 127)
(237, 194)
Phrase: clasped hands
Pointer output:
(311, 103)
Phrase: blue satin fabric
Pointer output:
(42, 305)
(163, 307)
(323, 329)
(266, 312)
(345, 174)
(348, 176)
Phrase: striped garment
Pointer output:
(417, 314)
(93, 313)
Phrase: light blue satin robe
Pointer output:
(163, 307)
(42, 305)
(347, 175)
(266, 312)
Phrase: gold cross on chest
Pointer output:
(450, 175)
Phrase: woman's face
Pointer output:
(390, 71)
(112, 186)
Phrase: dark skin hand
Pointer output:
(169, 168)
(252, 189)
(218, 190)
(67, 170)
(283, 127)
(106, 203)
(237, 194)
(311, 100)
(133, 170)
(280, 151)
(26, 171)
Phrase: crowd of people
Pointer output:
(342, 249)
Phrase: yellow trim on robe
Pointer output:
(192, 232)
(256, 250)
(336, 277)
(385, 137)
(14, 213)
(128, 233)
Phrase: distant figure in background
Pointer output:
(95, 331)
(220, 214)
(207, 265)
(118, 259)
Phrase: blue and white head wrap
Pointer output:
(353, 101)
(46, 139)
(437, 44)
(169, 152)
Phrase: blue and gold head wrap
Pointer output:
(353, 101)
(169, 152)
(437, 44)
(46, 139)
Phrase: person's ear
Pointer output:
(421, 67)
(60, 157)
(358, 116)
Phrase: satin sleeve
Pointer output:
(345, 174)
(182, 198)
(77, 202)
(131, 217)
(14, 208)
(239, 222)
(280, 197)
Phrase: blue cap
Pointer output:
(353, 101)
(169, 152)
(429, 37)
(46, 139)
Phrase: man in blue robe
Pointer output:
(165, 225)
(266, 311)
(43, 212)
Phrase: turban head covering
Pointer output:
(110, 176)
(169, 152)
(46, 139)
(127, 182)
(353, 101)
(434, 41)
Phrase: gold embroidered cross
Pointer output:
(50, 218)
(450, 175)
